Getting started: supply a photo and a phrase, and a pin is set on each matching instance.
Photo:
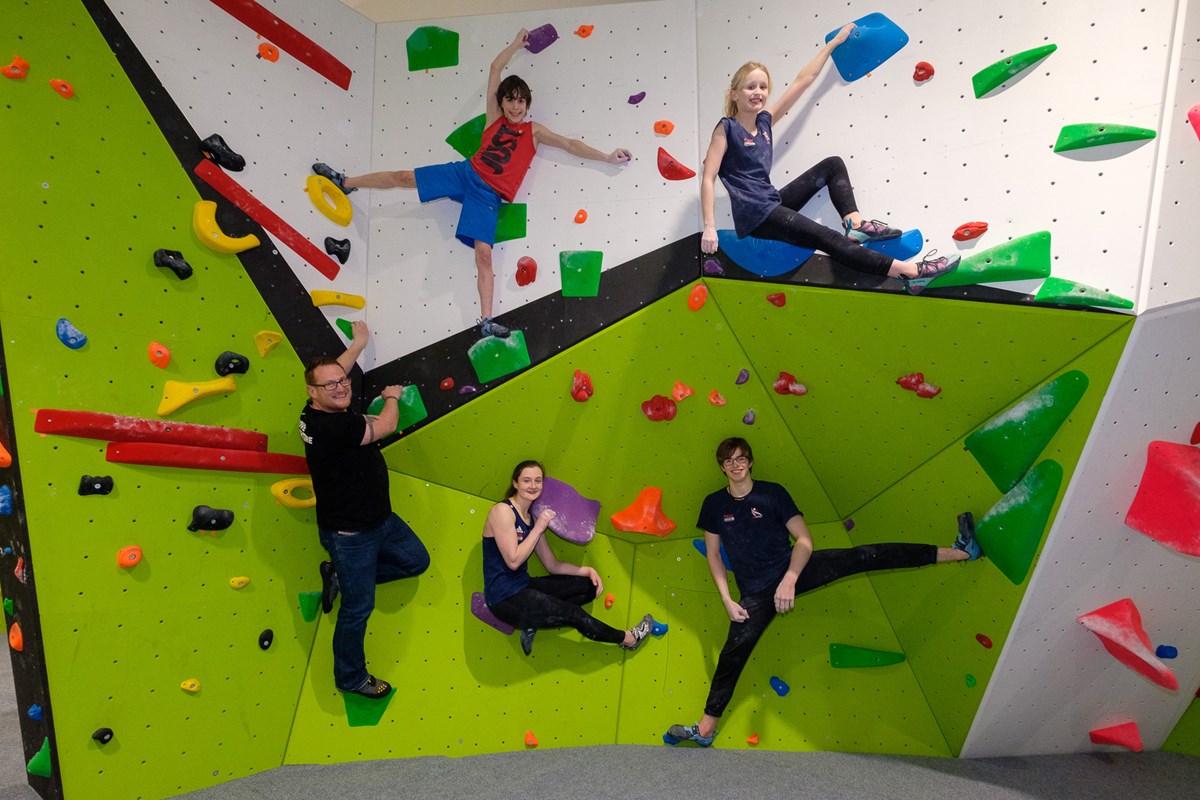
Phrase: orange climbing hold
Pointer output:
(268, 52)
(530, 739)
(584, 31)
(5, 456)
(609, 600)
(681, 391)
(63, 88)
(1126, 735)
(716, 398)
(129, 556)
(752, 739)
(1119, 626)
(580, 217)
(645, 515)
(159, 355)
(664, 127)
(1167, 504)
(698, 297)
(18, 69)
(16, 640)
(671, 169)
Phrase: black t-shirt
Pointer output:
(753, 531)
(350, 480)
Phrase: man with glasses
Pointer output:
(367, 543)
(756, 523)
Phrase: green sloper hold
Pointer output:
(412, 407)
(992, 76)
(1094, 134)
(466, 137)
(345, 327)
(1023, 258)
(310, 604)
(8, 606)
(494, 358)
(580, 271)
(510, 223)
(1010, 532)
(1007, 444)
(1070, 293)
(847, 656)
(430, 47)
(40, 764)
(362, 712)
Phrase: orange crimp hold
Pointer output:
(16, 640)
(160, 355)
(580, 216)
(716, 398)
(664, 127)
(62, 87)
(644, 515)
(269, 52)
(1119, 626)
(681, 391)
(609, 600)
(129, 556)
(17, 70)
(698, 297)
(1125, 735)
(752, 739)
(5, 456)
(584, 31)
(530, 739)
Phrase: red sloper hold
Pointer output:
(290, 40)
(581, 387)
(779, 299)
(1167, 504)
(660, 409)
(969, 230)
(923, 71)
(1119, 626)
(526, 271)
(1126, 735)
(671, 169)
(644, 515)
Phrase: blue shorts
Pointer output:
(458, 181)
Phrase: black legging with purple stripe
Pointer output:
(785, 223)
(553, 601)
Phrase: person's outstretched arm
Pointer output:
(807, 74)
(543, 135)
(712, 163)
(497, 70)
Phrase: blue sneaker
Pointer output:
(338, 179)
(929, 268)
(687, 733)
(871, 230)
(966, 540)
(489, 327)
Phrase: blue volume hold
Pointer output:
(765, 257)
(700, 545)
(902, 248)
(69, 335)
(779, 686)
(874, 40)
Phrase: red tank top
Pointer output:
(504, 156)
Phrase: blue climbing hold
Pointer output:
(902, 248)
(765, 257)
(1166, 651)
(874, 40)
(659, 629)
(779, 686)
(5, 500)
(702, 547)
(69, 335)
(34, 712)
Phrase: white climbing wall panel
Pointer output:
(1055, 682)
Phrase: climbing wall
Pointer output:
(422, 284)
(929, 155)
(1091, 559)
(100, 190)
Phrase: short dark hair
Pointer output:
(517, 470)
(513, 88)
(316, 362)
(728, 447)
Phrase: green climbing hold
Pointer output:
(362, 712)
(1007, 444)
(580, 271)
(846, 656)
(430, 47)
(1070, 293)
(345, 327)
(494, 358)
(8, 606)
(1012, 530)
(40, 764)
(970, 681)
(412, 407)
(1095, 134)
(510, 223)
(310, 604)
(467, 137)
(1020, 259)
(992, 76)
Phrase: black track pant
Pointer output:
(553, 601)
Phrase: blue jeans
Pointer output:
(361, 560)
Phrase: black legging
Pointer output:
(786, 224)
(825, 566)
(553, 601)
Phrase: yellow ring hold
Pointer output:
(329, 199)
(204, 223)
(285, 492)
(325, 297)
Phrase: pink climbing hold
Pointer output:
(1119, 626)
(576, 515)
(1125, 735)
(1167, 504)
(1194, 118)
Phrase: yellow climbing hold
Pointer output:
(294, 492)
(204, 222)
(324, 297)
(240, 582)
(329, 199)
(266, 341)
(190, 685)
(177, 394)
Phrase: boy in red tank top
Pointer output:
(493, 175)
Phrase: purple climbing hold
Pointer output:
(576, 514)
(634, 99)
(1166, 651)
(467, 388)
(742, 377)
(713, 267)
(848, 523)
(779, 686)
(748, 417)
(484, 614)
(540, 38)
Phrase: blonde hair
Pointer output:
(739, 78)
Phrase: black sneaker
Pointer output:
(527, 640)
(338, 179)
(329, 586)
(640, 632)
(373, 689)
(966, 540)
(489, 327)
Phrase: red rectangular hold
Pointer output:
(290, 40)
(235, 193)
(97, 425)
(177, 455)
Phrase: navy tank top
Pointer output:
(746, 172)
(500, 582)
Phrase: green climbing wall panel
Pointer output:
(580, 271)
(511, 222)
(1012, 529)
(431, 47)
(1024, 258)
(493, 357)
(411, 407)
(465, 139)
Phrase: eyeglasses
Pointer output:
(736, 461)
(329, 386)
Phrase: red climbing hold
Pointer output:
(644, 515)
(659, 408)
(1119, 626)
(969, 230)
(681, 391)
(911, 381)
(698, 297)
(581, 387)
(1167, 504)
(786, 384)
(983, 640)
(1193, 117)
(779, 299)
(609, 600)
(1196, 434)
(268, 52)
(1126, 735)
(923, 71)
(526, 271)
(752, 739)
(671, 169)
(928, 390)
(447, 384)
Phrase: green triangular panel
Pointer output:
(431, 47)
(1025, 257)
(1007, 444)
(465, 139)
(412, 407)
(937, 613)
(580, 272)
(40, 764)
(1012, 529)
(861, 431)
(848, 656)
(310, 604)
(363, 712)
(1065, 292)
(510, 223)
(493, 357)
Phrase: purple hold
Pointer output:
(742, 377)
(540, 38)
(634, 99)
(749, 417)
(713, 267)
(467, 388)
(576, 514)
(848, 524)
(484, 614)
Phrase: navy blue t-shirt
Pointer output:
(350, 480)
(746, 172)
(754, 533)
(500, 582)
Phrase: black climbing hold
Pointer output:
(265, 638)
(173, 260)
(230, 361)
(103, 735)
(214, 148)
(338, 248)
(95, 484)
(205, 518)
